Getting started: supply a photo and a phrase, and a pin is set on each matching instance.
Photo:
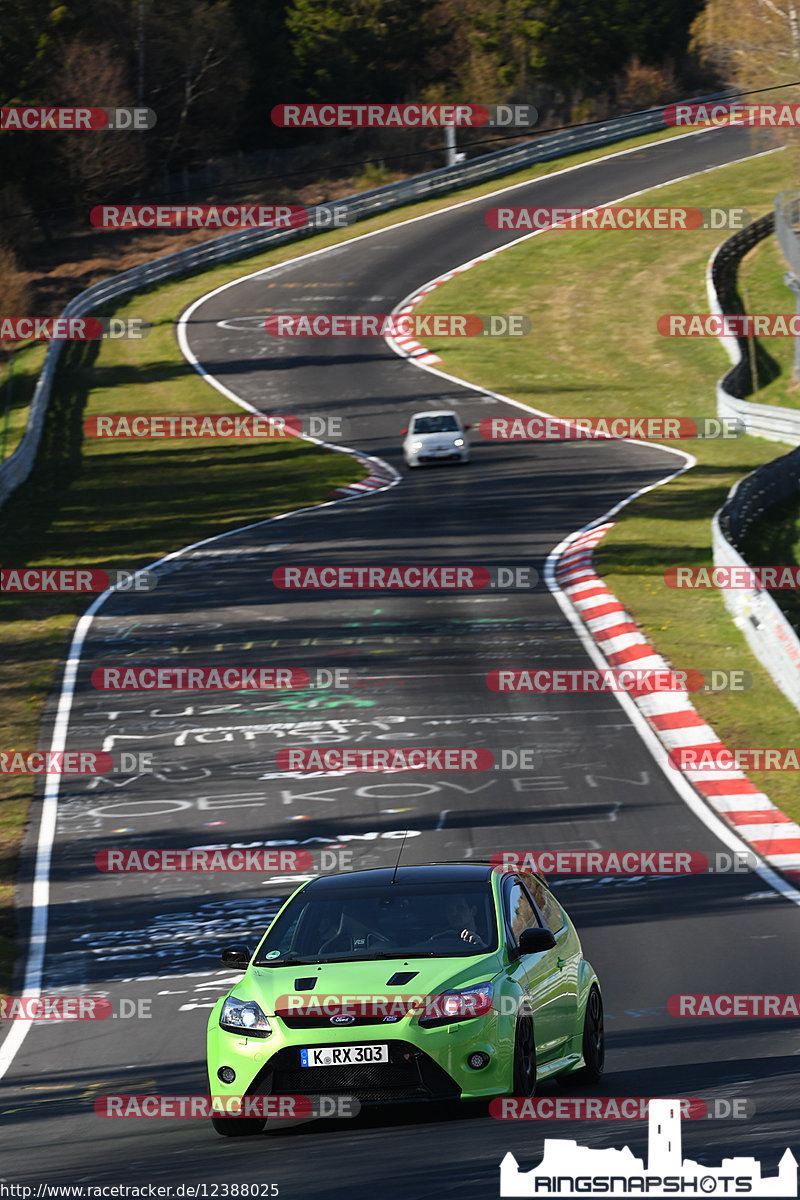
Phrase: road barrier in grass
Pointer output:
(769, 633)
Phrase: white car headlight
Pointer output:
(458, 442)
(244, 1016)
(416, 445)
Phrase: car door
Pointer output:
(539, 973)
(566, 959)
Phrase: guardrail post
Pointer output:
(793, 283)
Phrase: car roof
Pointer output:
(381, 877)
(436, 412)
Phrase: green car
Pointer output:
(438, 982)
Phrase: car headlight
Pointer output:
(244, 1016)
(458, 442)
(459, 1004)
(416, 445)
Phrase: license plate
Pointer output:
(337, 1056)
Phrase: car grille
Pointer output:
(438, 457)
(414, 1078)
(321, 1021)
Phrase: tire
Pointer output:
(524, 1076)
(594, 1050)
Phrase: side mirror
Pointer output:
(467, 427)
(404, 431)
(236, 956)
(534, 941)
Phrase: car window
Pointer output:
(518, 910)
(552, 913)
(435, 920)
(443, 424)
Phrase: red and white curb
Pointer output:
(376, 481)
(751, 814)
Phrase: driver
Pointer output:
(461, 916)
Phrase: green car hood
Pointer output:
(429, 976)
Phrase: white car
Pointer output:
(435, 436)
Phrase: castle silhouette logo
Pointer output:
(568, 1169)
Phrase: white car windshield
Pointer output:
(443, 424)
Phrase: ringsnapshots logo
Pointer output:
(72, 329)
(398, 325)
(72, 119)
(64, 580)
(617, 217)
(580, 429)
(570, 1170)
(404, 116)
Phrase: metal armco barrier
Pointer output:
(16, 469)
(769, 634)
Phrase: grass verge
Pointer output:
(603, 292)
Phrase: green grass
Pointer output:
(17, 385)
(594, 299)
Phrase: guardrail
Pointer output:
(761, 420)
(766, 628)
(16, 469)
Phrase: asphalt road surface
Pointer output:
(417, 667)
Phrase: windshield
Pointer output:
(393, 922)
(442, 424)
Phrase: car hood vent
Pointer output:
(401, 977)
(306, 984)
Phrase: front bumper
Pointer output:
(424, 1064)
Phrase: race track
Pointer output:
(420, 661)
